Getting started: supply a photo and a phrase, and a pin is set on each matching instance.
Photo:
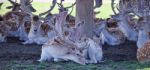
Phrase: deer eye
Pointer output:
(78, 54)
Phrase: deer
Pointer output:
(68, 50)
(44, 31)
(92, 48)
(112, 36)
(143, 42)
(129, 32)
(34, 35)
(19, 19)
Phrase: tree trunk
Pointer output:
(84, 12)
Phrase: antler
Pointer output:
(71, 5)
(62, 8)
(98, 3)
(112, 6)
(24, 8)
(51, 8)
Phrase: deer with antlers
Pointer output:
(19, 18)
(67, 50)
(17, 6)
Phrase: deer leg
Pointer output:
(73, 58)
(45, 56)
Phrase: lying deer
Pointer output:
(58, 49)
(41, 33)
(143, 42)
(112, 36)
(16, 20)
(91, 47)
(123, 25)
(35, 35)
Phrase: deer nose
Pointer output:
(35, 30)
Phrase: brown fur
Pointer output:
(111, 23)
(117, 33)
(143, 54)
(12, 25)
(46, 28)
(8, 15)
(27, 26)
(35, 18)
(10, 21)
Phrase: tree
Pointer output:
(84, 12)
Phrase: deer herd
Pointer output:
(62, 39)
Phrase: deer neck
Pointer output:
(143, 36)
(130, 33)
(108, 37)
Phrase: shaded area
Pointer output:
(14, 54)
(125, 51)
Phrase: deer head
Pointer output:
(35, 25)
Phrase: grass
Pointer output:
(42, 7)
(109, 65)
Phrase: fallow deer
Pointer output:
(143, 43)
(19, 18)
(112, 36)
(123, 25)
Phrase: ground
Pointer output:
(15, 56)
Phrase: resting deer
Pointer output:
(91, 47)
(112, 36)
(18, 19)
(58, 49)
(41, 33)
(123, 25)
(35, 35)
(143, 43)
(67, 50)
